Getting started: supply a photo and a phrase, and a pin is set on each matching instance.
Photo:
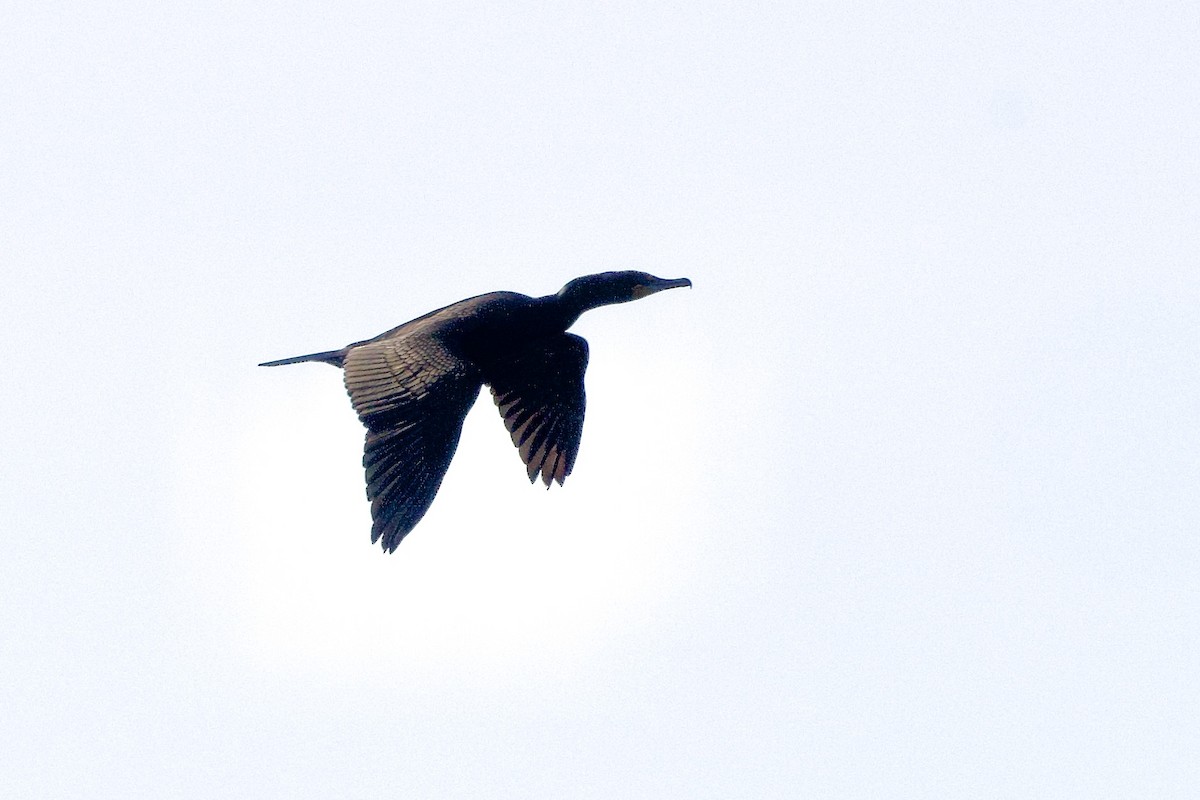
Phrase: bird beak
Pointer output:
(658, 285)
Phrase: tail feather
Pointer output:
(334, 357)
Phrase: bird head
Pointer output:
(607, 288)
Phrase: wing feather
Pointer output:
(412, 393)
(539, 392)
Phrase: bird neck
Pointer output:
(577, 297)
(556, 315)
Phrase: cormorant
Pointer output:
(413, 385)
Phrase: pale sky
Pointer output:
(899, 501)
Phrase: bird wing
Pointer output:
(539, 392)
(412, 393)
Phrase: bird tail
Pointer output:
(334, 357)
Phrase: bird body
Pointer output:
(413, 385)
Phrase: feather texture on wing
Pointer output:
(412, 394)
(539, 391)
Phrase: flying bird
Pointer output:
(413, 385)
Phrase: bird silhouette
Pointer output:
(413, 385)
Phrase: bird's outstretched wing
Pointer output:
(412, 394)
(539, 392)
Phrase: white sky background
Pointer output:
(899, 501)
